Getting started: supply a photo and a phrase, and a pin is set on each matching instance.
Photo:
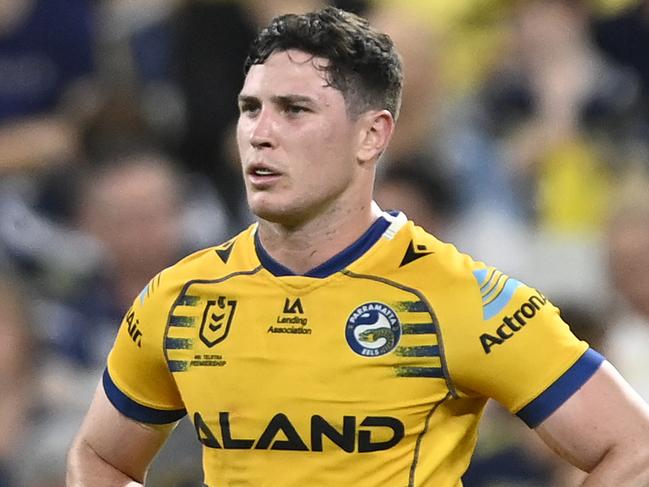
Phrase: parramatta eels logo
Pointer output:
(373, 329)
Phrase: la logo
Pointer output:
(295, 308)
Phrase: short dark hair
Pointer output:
(363, 63)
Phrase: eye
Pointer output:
(249, 108)
(295, 109)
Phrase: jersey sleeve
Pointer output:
(513, 346)
(137, 380)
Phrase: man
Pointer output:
(332, 344)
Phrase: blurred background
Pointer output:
(523, 139)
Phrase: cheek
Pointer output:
(331, 152)
(241, 135)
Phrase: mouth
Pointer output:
(263, 171)
(261, 174)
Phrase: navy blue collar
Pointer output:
(333, 265)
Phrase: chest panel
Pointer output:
(369, 341)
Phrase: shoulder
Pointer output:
(427, 257)
(233, 255)
(209, 264)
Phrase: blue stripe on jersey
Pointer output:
(431, 372)
(178, 343)
(186, 300)
(412, 306)
(144, 293)
(128, 407)
(480, 276)
(495, 289)
(498, 304)
(333, 265)
(420, 351)
(418, 329)
(178, 365)
(565, 386)
(494, 297)
(182, 321)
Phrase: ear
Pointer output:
(376, 128)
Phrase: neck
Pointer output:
(301, 248)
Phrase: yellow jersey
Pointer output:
(370, 370)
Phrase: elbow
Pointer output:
(633, 462)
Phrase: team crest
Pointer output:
(373, 329)
(217, 319)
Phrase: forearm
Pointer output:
(621, 468)
(86, 468)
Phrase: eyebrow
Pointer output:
(278, 99)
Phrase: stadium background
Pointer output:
(524, 139)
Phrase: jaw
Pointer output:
(292, 210)
(274, 207)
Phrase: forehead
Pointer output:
(289, 72)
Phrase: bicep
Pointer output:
(122, 443)
(603, 415)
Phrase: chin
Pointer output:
(267, 215)
(275, 212)
(267, 210)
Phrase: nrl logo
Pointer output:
(217, 319)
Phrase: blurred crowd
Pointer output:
(523, 139)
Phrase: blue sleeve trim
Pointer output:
(128, 407)
(565, 386)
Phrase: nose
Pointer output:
(263, 130)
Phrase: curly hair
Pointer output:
(363, 63)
